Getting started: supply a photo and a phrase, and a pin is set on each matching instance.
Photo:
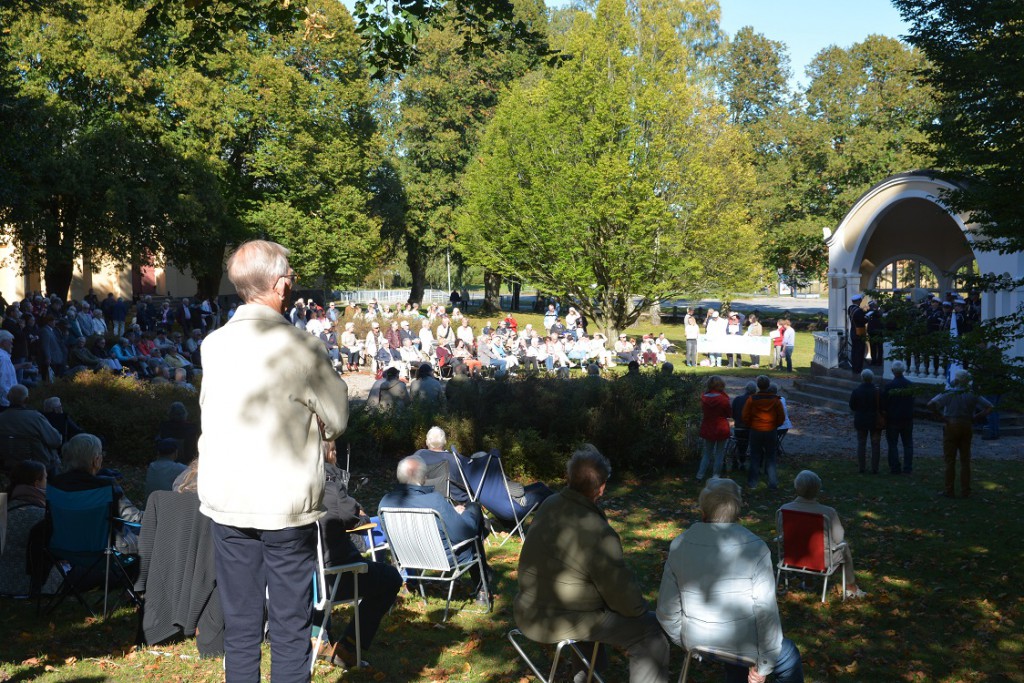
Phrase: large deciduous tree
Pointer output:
(975, 68)
(446, 98)
(861, 120)
(615, 179)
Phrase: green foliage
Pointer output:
(125, 412)
(861, 119)
(975, 69)
(641, 423)
(447, 97)
(616, 176)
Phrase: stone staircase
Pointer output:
(832, 389)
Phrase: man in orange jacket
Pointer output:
(763, 413)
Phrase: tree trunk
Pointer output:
(59, 268)
(417, 262)
(492, 293)
(656, 314)
(210, 270)
(517, 287)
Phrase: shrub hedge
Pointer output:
(124, 411)
(642, 423)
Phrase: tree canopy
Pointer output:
(615, 178)
(976, 70)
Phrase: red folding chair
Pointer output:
(806, 547)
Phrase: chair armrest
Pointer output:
(458, 545)
(839, 546)
(353, 567)
(137, 525)
(364, 527)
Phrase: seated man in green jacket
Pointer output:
(574, 582)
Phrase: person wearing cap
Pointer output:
(959, 408)
(624, 351)
(935, 322)
(858, 332)
(807, 485)
(165, 469)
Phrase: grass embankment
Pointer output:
(945, 603)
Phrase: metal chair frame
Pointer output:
(591, 663)
(700, 653)
(419, 541)
(829, 565)
(327, 601)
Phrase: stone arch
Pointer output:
(903, 217)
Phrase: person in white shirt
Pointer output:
(692, 332)
(465, 332)
(788, 343)
(715, 328)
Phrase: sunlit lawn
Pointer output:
(945, 603)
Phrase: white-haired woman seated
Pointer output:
(808, 485)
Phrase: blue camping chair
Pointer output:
(485, 475)
(82, 544)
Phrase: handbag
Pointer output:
(879, 415)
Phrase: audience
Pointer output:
(26, 508)
(807, 485)
(573, 578)
(21, 421)
(163, 471)
(462, 522)
(718, 593)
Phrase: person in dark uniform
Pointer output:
(858, 332)
(875, 325)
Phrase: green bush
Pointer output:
(124, 411)
(641, 423)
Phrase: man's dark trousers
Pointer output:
(253, 564)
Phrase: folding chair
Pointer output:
(82, 538)
(780, 452)
(486, 474)
(701, 653)
(419, 542)
(806, 547)
(325, 599)
(559, 646)
(440, 465)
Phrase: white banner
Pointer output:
(734, 343)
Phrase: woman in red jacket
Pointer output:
(714, 427)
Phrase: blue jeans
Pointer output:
(788, 668)
(894, 432)
(763, 446)
(250, 564)
(713, 452)
(787, 354)
(501, 365)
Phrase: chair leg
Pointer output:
(451, 587)
(686, 668)
(554, 662)
(824, 590)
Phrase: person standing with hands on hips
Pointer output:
(269, 397)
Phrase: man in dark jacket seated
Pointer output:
(378, 587)
(463, 522)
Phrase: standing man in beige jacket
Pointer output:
(269, 397)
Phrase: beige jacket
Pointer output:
(264, 384)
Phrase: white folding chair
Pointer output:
(559, 646)
(325, 599)
(420, 542)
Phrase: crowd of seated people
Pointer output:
(52, 338)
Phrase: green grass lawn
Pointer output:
(945, 602)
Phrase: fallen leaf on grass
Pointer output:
(70, 661)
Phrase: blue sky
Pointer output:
(808, 26)
(805, 26)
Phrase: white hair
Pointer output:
(412, 470)
(867, 376)
(807, 484)
(720, 501)
(436, 439)
(898, 367)
(80, 451)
